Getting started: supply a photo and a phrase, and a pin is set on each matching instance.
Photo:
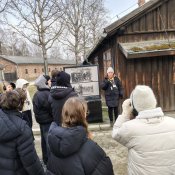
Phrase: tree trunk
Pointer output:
(45, 61)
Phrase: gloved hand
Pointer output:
(106, 81)
(127, 108)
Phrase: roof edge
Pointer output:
(1, 56)
(125, 19)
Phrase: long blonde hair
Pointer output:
(74, 113)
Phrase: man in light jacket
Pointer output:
(149, 135)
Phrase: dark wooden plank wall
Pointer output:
(152, 21)
(157, 71)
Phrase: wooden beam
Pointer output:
(146, 54)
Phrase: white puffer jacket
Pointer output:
(150, 139)
(28, 102)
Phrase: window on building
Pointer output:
(49, 69)
(61, 68)
(106, 60)
(26, 71)
(42, 69)
(35, 71)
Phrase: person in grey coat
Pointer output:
(43, 112)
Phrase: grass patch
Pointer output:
(105, 113)
(32, 89)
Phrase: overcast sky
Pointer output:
(120, 7)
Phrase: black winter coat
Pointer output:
(72, 153)
(113, 91)
(17, 152)
(57, 98)
(41, 106)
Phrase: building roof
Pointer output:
(113, 28)
(36, 60)
(149, 49)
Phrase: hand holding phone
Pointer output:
(127, 108)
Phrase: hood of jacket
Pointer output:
(8, 129)
(64, 142)
(20, 83)
(59, 92)
(40, 82)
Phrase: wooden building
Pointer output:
(28, 68)
(141, 48)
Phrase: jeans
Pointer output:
(44, 129)
(110, 113)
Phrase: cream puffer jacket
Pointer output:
(28, 102)
(150, 139)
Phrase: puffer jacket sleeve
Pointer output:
(94, 160)
(120, 88)
(120, 131)
(27, 152)
(105, 84)
(35, 104)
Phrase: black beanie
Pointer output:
(63, 79)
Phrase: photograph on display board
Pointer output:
(84, 79)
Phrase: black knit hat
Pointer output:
(63, 79)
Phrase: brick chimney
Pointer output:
(141, 2)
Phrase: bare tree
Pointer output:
(39, 21)
(97, 15)
(13, 44)
(82, 19)
(94, 21)
(73, 20)
(9, 40)
(3, 5)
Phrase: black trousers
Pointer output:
(44, 129)
(27, 116)
(112, 110)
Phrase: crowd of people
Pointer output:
(67, 144)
